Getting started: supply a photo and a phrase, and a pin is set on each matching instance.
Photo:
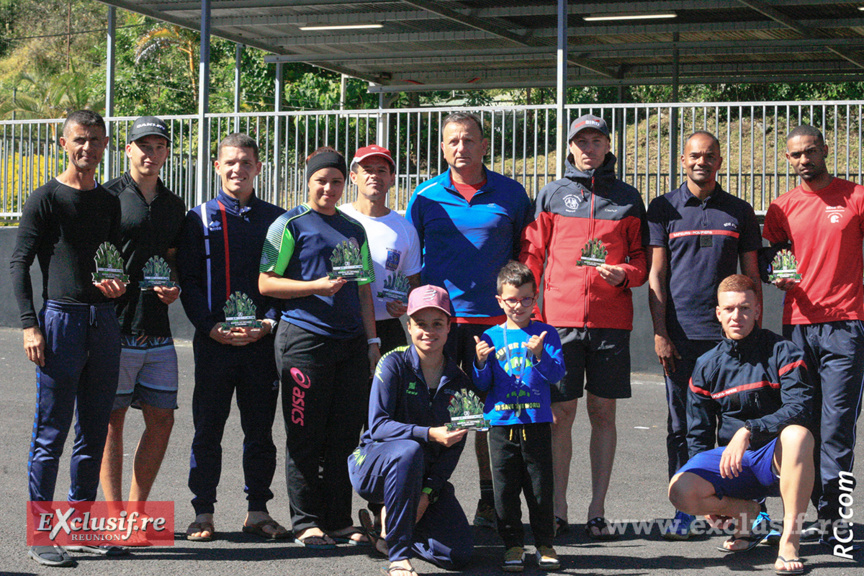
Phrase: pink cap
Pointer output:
(370, 152)
(429, 297)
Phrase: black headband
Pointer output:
(325, 160)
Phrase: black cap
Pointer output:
(588, 121)
(148, 126)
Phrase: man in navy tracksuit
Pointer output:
(75, 339)
(755, 385)
(219, 253)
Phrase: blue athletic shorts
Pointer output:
(148, 373)
(757, 480)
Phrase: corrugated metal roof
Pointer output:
(750, 40)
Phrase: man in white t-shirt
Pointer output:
(393, 242)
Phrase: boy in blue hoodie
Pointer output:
(524, 359)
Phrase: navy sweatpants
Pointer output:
(677, 384)
(392, 473)
(219, 371)
(834, 352)
(82, 364)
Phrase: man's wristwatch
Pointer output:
(748, 427)
(432, 494)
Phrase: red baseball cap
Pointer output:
(372, 151)
(429, 297)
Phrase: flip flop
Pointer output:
(373, 535)
(599, 523)
(785, 561)
(200, 527)
(389, 571)
(280, 532)
(561, 526)
(345, 538)
(752, 540)
(315, 542)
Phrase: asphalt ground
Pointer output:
(638, 492)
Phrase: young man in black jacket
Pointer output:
(151, 216)
(755, 383)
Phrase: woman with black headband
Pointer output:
(316, 259)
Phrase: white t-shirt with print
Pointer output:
(393, 245)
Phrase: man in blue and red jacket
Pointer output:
(591, 307)
(755, 385)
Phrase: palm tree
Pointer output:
(40, 94)
(152, 42)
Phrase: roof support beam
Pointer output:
(202, 188)
(485, 26)
(561, 89)
(777, 16)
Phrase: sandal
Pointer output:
(375, 539)
(344, 537)
(752, 541)
(196, 527)
(561, 526)
(393, 569)
(279, 531)
(323, 542)
(789, 561)
(599, 523)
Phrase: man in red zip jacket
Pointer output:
(590, 306)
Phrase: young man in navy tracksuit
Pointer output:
(755, 385)
(526, 359)
(220, 248)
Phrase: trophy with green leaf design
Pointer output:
(466, 412)
(784, 266)
(396, 287)
(593, 254)
(347, 262)
(157, 272)
(109, 264)
(240, 312)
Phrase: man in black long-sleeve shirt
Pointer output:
(75, 340)
(754, 384)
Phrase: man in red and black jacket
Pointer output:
(591, 306)
(752, 395)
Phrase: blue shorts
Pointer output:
(148, 373)
(757, 480)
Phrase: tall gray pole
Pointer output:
(108, 165)
(277, 165)
(202, 188)
(382, 136)
(561, 64)
(673, 119)
(238, 55)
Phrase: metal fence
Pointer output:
(647, 138)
